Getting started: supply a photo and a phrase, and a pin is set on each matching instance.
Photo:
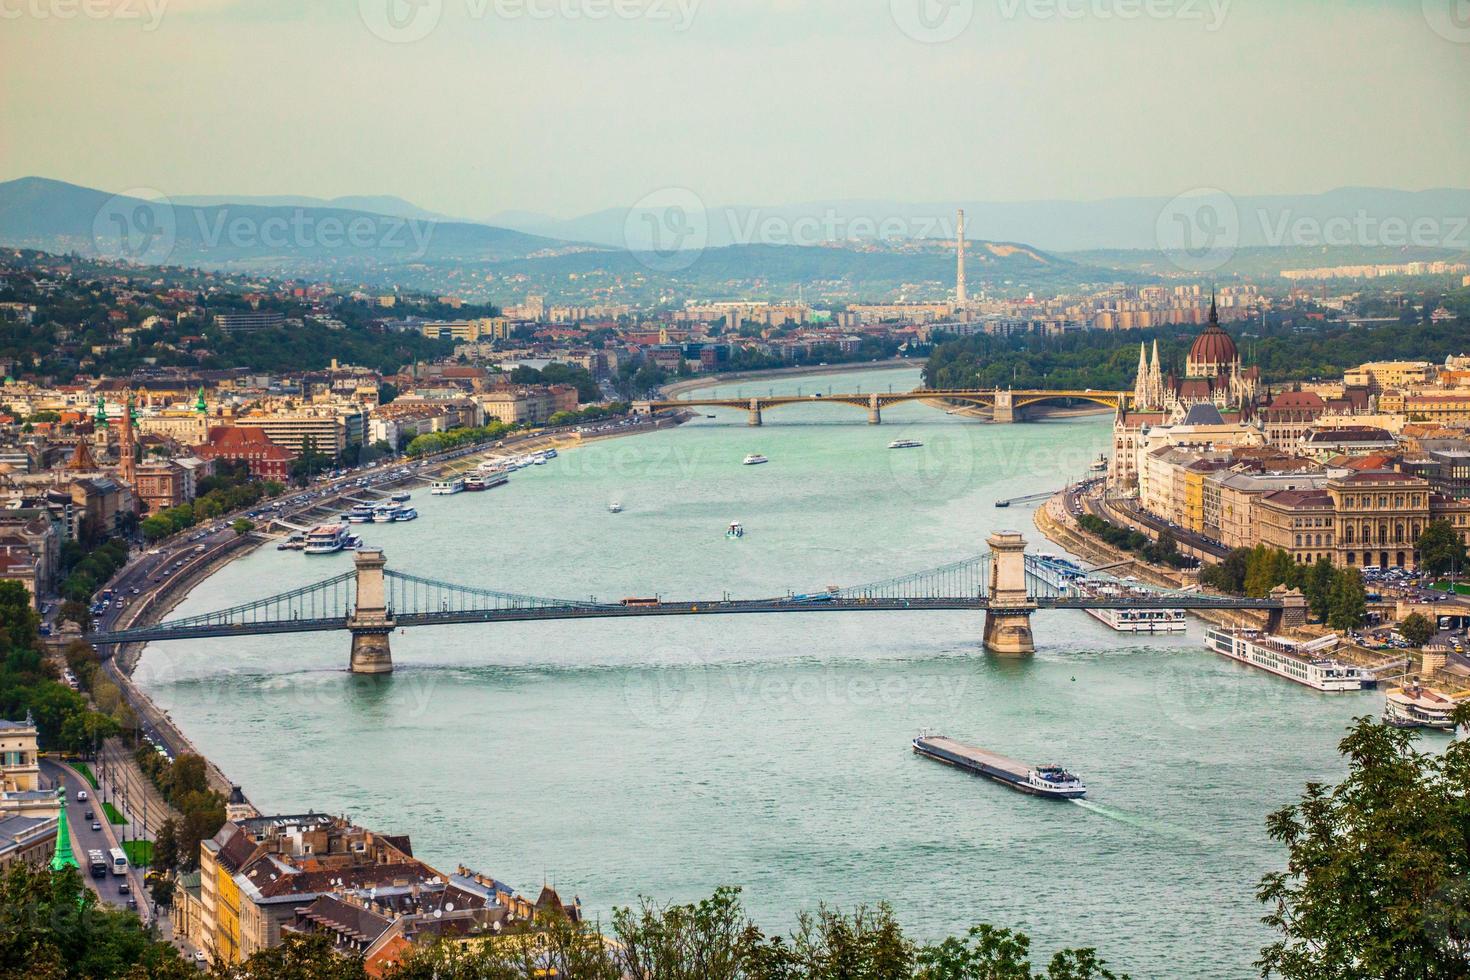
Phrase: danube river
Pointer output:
(664, 757)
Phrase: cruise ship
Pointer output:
(1141, 620)
(326, 539)
(1416, 706)
(1305, 663)
(1050, 781)
(443, 488)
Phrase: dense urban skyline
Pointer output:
(495, 109)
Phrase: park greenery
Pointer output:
(184, 784)
(1418, 629)
(1440, 549)
(85, 571)
(1164, 551)
(1335, 596)
(431, 443)
(229, 490)
(1108, 360)
(28, 684)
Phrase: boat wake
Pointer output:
(1134, 820)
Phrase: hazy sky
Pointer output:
(518, 104)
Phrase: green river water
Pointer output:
(664, 757)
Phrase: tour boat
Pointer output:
(755, 459)
(474, 484)
(905, 444)
(614, 508)
(326, 539)
(444, 488)
(735, 530)
(1051, 781)
(385, 514)
(1100, 465)
(405, 514)
(401, 497)
(1416, 706)
(549, 453)
(1141, 620)
(1304, 663)
(360, 514)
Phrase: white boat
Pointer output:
(1100, 465)
(326, 539)
(1304, 663)
(614, 508)
(401, 497)
(405, 514)
(1416, 706)
(1141, 620)
(905, 444)
(385, 514)
(755, 459)
(549, 453)
(735, 530)
(444, 488)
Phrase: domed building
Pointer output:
(1212, 374)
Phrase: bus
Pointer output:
(97, 864)
(119, 862)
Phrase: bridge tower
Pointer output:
(371, 622)
(875, 416)
(755, 412)
(1008, 620)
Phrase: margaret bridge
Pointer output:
(1005, 583)
(1005, 404)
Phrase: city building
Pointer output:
(249, 445)
(22, 792)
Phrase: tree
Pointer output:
(166, 846)
(1348, 604)
(1417, 629)
(1317, 586)
(1440, 549)
(242, 526)
(1375, 880)
(73, 611)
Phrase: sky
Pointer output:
(562, 107)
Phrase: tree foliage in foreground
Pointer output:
(713, 940)
(1375, 886)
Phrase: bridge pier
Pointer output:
(1008, 620)
(1004, 410)
(371, 622)
(1292, 612)
(875, 416)
(755, 413)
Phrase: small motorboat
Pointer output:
(754, 459)
(614, 508)
(735, 530)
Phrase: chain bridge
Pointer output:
(1004, 583)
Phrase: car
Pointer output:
(81, 795)
(90, 815)
(199, 956)
(96, 826)
(123, 888)
(132, 903)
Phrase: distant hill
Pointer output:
(1057, 226)
(387, 204)
(60, 217)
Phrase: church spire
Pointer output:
(1214, 310)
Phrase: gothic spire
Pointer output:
(63, 858)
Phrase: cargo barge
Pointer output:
(1050, 781)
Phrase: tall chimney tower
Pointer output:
(960, 299)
